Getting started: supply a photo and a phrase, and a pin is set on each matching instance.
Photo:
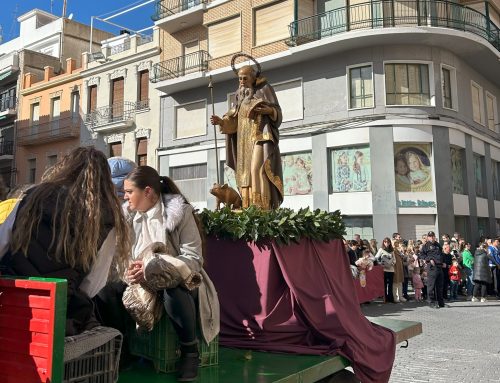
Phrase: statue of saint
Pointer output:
(252, 137)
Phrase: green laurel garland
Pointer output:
(282, 225)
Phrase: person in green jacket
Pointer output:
(468, 262)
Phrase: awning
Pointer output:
(5, 74)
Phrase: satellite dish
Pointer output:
(70, 17)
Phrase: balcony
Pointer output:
(387, 14)
(8, 106)
(166, 72)
(55, 130)
(6, 149)
(174, 15)
(112, 117)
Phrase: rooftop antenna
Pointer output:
(51, 6)
(1, 34)
(64, 8)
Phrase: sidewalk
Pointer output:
(459, 343)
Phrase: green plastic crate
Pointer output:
(162, 347)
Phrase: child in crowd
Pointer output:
(455, 278)
(417, 279)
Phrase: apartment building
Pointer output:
(49, 121)
(121, 109)
(44, 40)
(390, 110)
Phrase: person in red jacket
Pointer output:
(455, 277)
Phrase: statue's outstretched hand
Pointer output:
(216, 120)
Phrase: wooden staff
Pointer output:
(211, 87)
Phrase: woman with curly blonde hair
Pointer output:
(69, 226)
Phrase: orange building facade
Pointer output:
(49, 120)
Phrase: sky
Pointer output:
(82, 11)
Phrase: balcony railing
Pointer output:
(110, 114)
(142, 105)
(6, 148)
(394, 13)
(7, 103)
(171, 7)
(55, 130)
(115, 49)
(180, 66)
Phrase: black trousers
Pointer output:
(388, 278)
(435, 284)
(180, 305)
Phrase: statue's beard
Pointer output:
(245, 94)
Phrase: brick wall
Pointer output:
(172, 43)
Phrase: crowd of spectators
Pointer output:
(435, 271)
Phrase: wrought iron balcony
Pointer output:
(8, 104)
(6, 148)
(55, 130)
(112, 114)
(389, 13)
(180, 66)
(168, 8)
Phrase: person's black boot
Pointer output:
(188, 363)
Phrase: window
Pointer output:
(407, 84)
(8, 99)
(35, 114)
(491, 111)
(115, 149)
(92, 101)
(191, 180)
(143, 90)
(297, 173)
(224, 37)
(362, 225)
(55, 113)
(458, 169)
(142, 151)
(117, 91)
(51, 160)
(290, 98)
(477, 102)
(75, 106)
(446, 82)
(350, 169)
(191, 119)
(271, 22)
(479, 178)
(495, 174)
(31, 170)
(361, 87)
(35, 118)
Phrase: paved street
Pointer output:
(459, 343)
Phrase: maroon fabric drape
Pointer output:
(299, 298)
(374, 285)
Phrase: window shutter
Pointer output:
(142, 146)
(224, 38)
(271, 22)
(115, 149)
(191, 120)
(476, 103)
(92, 98)
(144, 85)
(289, 96)
(117, 94)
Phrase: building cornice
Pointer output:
(51, 84)
(112, 65)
